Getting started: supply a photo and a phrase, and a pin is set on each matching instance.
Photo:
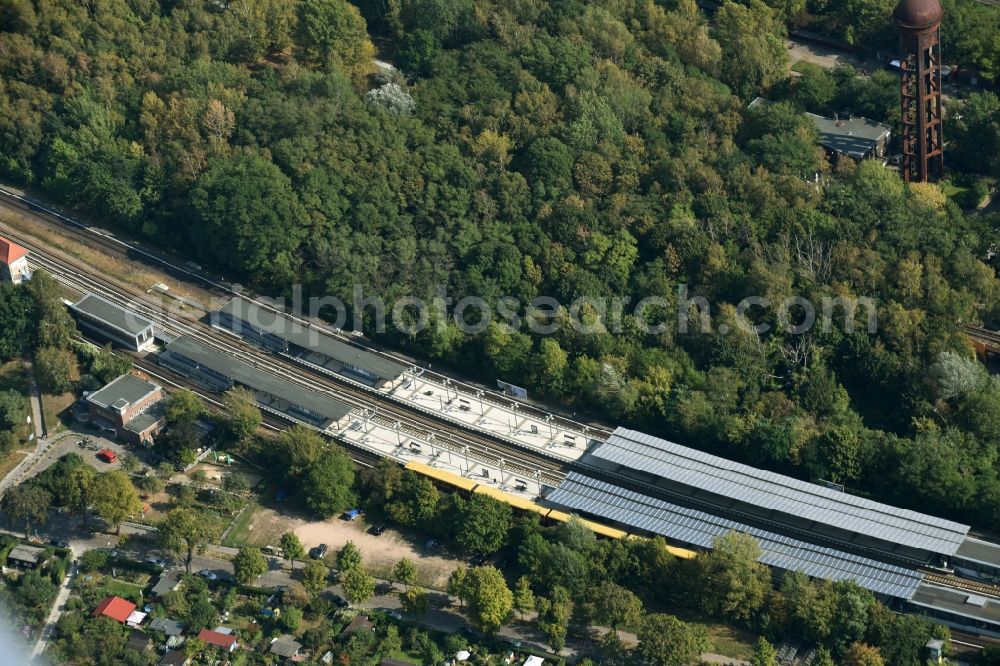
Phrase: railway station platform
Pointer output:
(959, 609)
(478, 467)
(979, 559)
(478, 411)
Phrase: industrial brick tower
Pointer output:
(919, 24)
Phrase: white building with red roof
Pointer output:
(13, 262)
(116, 608)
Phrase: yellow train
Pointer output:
(468, 486)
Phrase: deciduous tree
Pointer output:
(736, 583)
(328, 485)
(185, 530)
(242, 414)
(358, 584)
(666, 641)
(753, 49)
(292, 548)
(114, 497)
(315, 576)
(27, 503)
(249, 564)
(490, 600)
(524, 598)
(482, 524)
(348, 558)
(405, 572)
(415, 602)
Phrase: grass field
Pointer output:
(119, 587)
(809, 68)
(731, 642)
(240, 534)
(53, 407)
(9, 461)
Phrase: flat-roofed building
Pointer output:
(845, 134)
(131, 406)
(856, 137)
(222, 372)
(112, 323)
(276, 332)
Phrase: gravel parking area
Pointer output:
(380, 552)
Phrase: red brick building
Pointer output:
(131, 407)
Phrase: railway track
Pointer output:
(214, 400)
(446, 435)
(984, 334)
(105, 241)
(457, 439)
(982, 589)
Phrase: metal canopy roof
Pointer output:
(312, 339)
(783, 494)
(697, 528)
(111, 314)
(251, 377)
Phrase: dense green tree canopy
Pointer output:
(563, 149)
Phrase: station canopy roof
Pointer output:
(112, 314)
(735, 483)
(699, 529)
(312, 339)
(259, 380)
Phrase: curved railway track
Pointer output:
(97, 238)
(388, 412)
(448, 435)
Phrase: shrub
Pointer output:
(94, 560)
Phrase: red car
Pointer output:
(107, 455)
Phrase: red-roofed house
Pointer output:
(219, 640)
(116, 608)
(13, 262)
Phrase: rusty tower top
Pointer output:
(919, 24)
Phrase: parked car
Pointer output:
(352, 514)
(339, 601)
(379, 528)
(480, 559)
(318, 552)
(208, 575)
(432, 544)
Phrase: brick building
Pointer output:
(130, 406)
(13, 262)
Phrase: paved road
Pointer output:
(57, 610)
(36, 406)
